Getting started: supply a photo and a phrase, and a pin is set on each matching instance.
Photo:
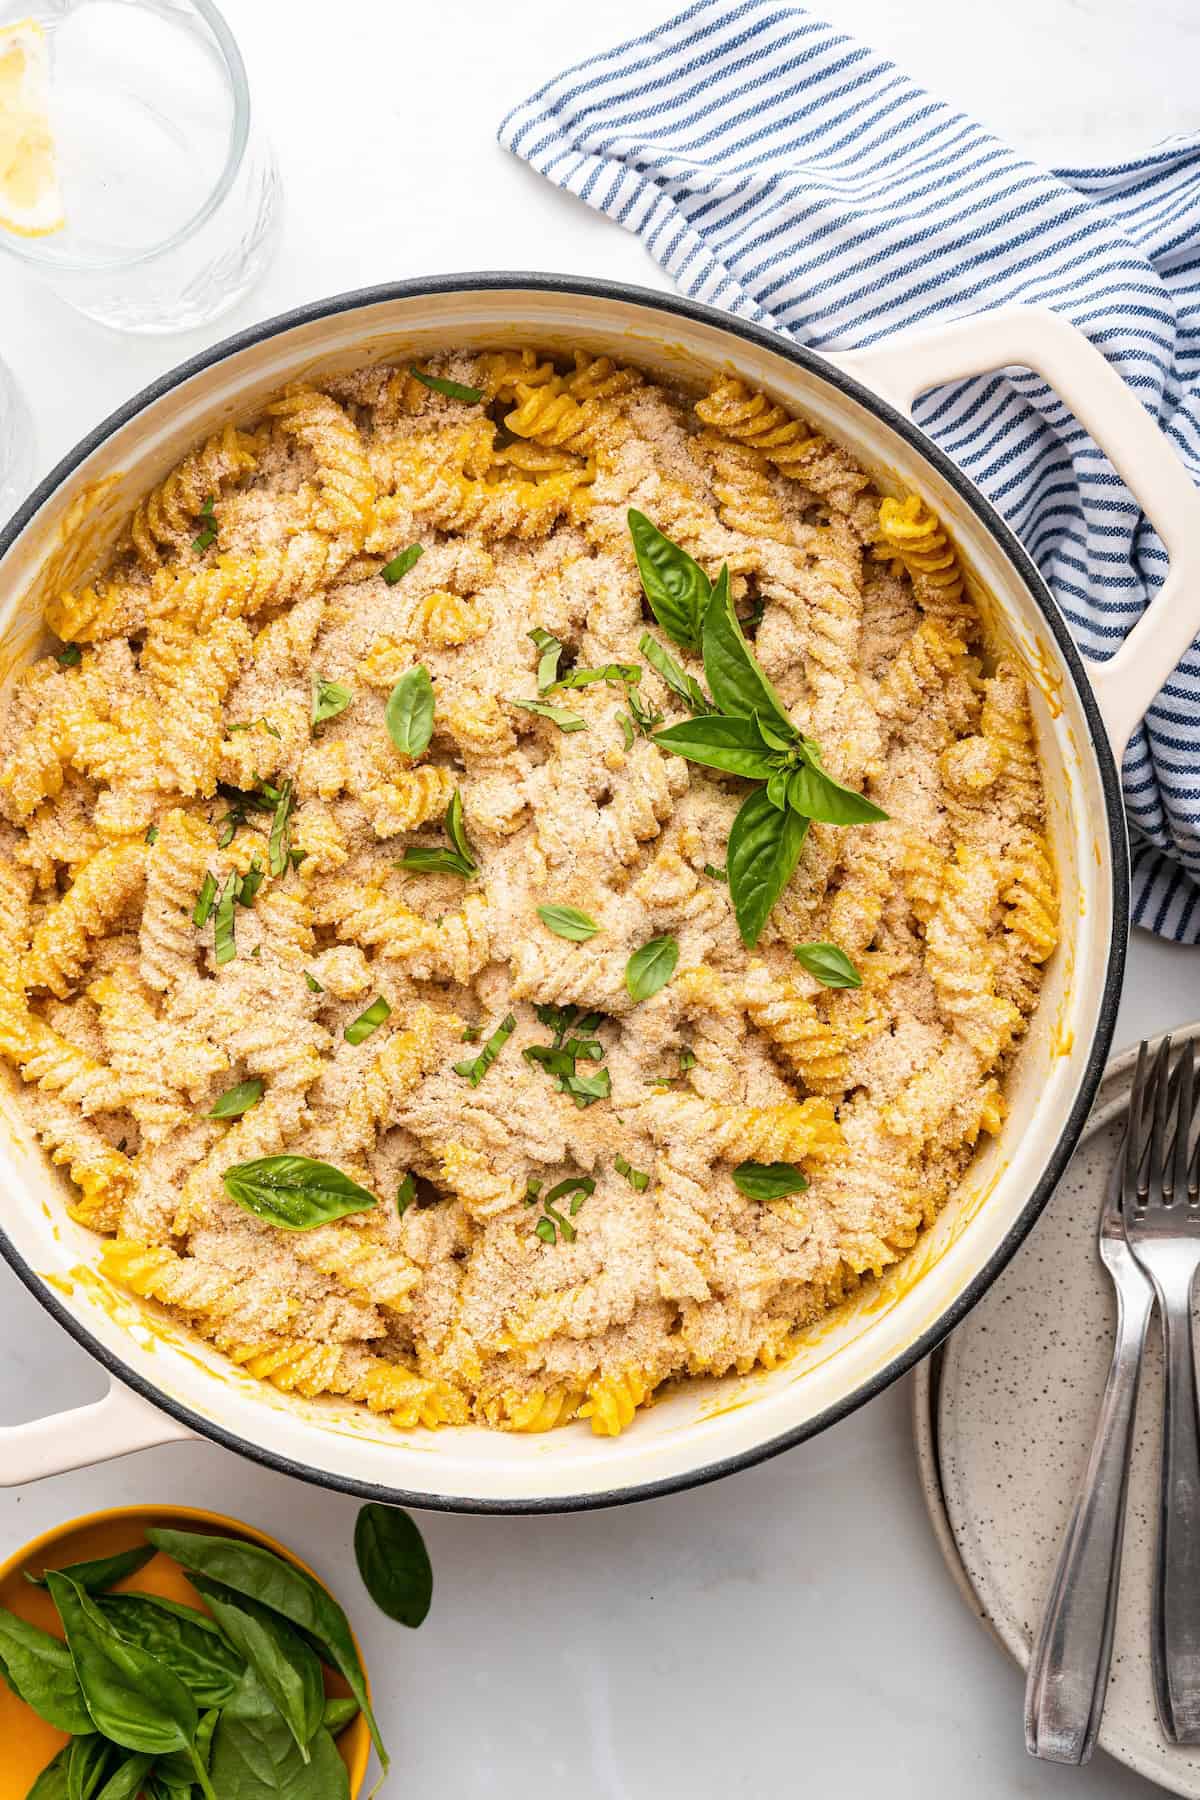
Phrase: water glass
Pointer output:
(16, 443)
(154, 203)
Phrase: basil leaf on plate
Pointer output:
(38, 1668)
(678, 680)
(127, 1782)
(769, 1181)
(89, 1760)
(263, 1576)
(400, 565)
(394, 1563)
(816, 795)
(651, 967)
(231, 1105)
(294, 1192)
(340, 1711)
(95, 1577)
(409, 711)
(730, 744)
(676, 586)
(764, 847)
(453, 390)
(51, 1784)
(174, 1773)
(737, 683)
(568, 922)
(184, 1640)
(287, 1667)
(829, 964)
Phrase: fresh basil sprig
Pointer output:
(676, 586)
(769, 1181)
(394, 1563)
(294, 1192)
(678, 680)
(409, 711)
(829, 964)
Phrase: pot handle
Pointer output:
(111, 1427)
(1033, 337)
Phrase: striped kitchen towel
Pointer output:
(789, 175)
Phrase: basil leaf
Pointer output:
(550, 650)
(651, 967)
(829, 964)
(328, 700)
(409, 712)
(251, 881)
(406, 1193)
(261, 1575)
(421, 859)
(777, 787)
(815, 795)
(394, 1563)
(204, 901)
(95, 1577)
(400, 565)
(475, 1070)
(720, 743)
(287, 1667)
(454, 390)
(339, 1712)
(456, 831)
(738, 685)
(39, 1670)
(132, 1697)
(615, 674)
(256, 1759)
(88, 1762)
(174, 1773)
(677, 679)
(278, 845)
(764, 847)
(312, 984)
(558, 715)
(768, 1181)
(224, 942)
(771, 735)
(360, 1029)
(715, 874)
(676, 587)
(129, 1779)
(181, 1638)
(237, 1100)
(638, 1179)
(68, 656)
(568, 922)
(51, 1784)
(294, 1192)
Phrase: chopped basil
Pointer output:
(152, 834)
(628, 730)
(558, 715)
(614, 674)
(253, 724)
(474, 1071)
(361, 1028)
(471, 1034)
(561, 1057)
(329, 698)
(68, 656)
(550, 650)
(768, 1181)
(829, 964)
(237, 1100)
(409, 711)
(406, 1193)
(640, 713)
(651, 967)
(637, 1178)
(400, 565)
(712, 870)
(437, 859)
(568, 922)
(208, 534)
(576, 1188)
(204, 901)
(314, 985)
(545, 1230)
(453, 390)
(251, 881)
(224, 945)
(278, 846)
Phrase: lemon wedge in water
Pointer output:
(30, 200)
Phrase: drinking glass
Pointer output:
(170, 199)
(16, 443)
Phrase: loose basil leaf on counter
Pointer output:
(38, 1668)
(294, 1192)
(817, 795)
(651, 967)
(129, 1779)
(454, 390)
(394, 1563)
(329, 699)
(677, 679)
(568, 922)
(234, 1102)
(409, 711)
(250, 1570)
(95, 1577)
(676, 587)
(730, 744)
(360, 1029)
(737, 683)
(181, 1638)
(400, 565)
(89, 1761)
(558, 715)
(287, 1667)
(768, 1181)
(339, 1712)
(764, 847)
(830, 965)
(549, 650)
(132, 1697)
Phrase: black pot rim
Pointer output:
(669, 304)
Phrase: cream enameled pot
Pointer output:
(167, 1385)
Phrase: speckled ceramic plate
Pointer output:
(1004, 1416)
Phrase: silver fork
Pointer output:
(1163, 1229)
(1068, 1671)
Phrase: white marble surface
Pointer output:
(791, 1629)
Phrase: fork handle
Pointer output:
(1068, 1671)
(1175, 1633)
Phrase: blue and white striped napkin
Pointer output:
(789, 175)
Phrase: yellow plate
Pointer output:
(28, 1741)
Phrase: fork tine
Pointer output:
(1133, 1132)
(1154, 1189)
(1185, 1073)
